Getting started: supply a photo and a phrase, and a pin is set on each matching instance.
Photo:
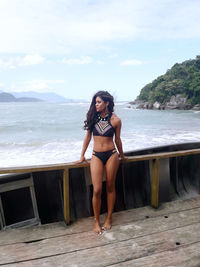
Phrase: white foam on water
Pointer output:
(133, 141)
(55, 135)
(24, 154)
(50, 153)
(75, 104)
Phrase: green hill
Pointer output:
(182, 79)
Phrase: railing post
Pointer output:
(155, 183)
(66, 195)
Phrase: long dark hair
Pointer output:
(92, 114)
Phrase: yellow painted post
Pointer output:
(66, 195)
(155, 183)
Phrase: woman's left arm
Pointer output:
(118, 141)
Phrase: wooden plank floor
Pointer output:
(169, 236)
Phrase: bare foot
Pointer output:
(107, 225)
(97, 228)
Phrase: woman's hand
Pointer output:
(123, 158)
(81, 160)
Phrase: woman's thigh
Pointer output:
(97, 170)
(112, 167)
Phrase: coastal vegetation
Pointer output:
(182, 80)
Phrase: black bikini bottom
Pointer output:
(104, 156)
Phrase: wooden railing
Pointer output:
(65, 167)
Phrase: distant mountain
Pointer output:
(7, 97)
(32, 96)
(48, 97)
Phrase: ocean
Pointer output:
(50, 133)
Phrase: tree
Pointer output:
(183, 78)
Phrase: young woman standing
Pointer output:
(103, 124)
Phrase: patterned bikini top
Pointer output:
(103, 127)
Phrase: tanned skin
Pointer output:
(102, 144)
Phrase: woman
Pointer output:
(103, 124)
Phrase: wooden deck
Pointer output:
(167, 236)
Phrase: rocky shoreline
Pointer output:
(176, 102)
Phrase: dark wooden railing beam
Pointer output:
(71, 165)
(155, 157)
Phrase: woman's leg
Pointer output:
(97, 169)
(111, 171)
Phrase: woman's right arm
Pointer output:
(85, 145)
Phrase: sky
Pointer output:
(77, 47)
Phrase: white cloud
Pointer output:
(113, 56)
(31, 60)
(130, 62)
(1, 85)
(8, 64)
(99, 62)
(36, 85)
(14, 62)
(83, 60)
(60, 26)
(77, 61)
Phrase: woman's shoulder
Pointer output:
(115, 119)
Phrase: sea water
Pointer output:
(46, 133)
